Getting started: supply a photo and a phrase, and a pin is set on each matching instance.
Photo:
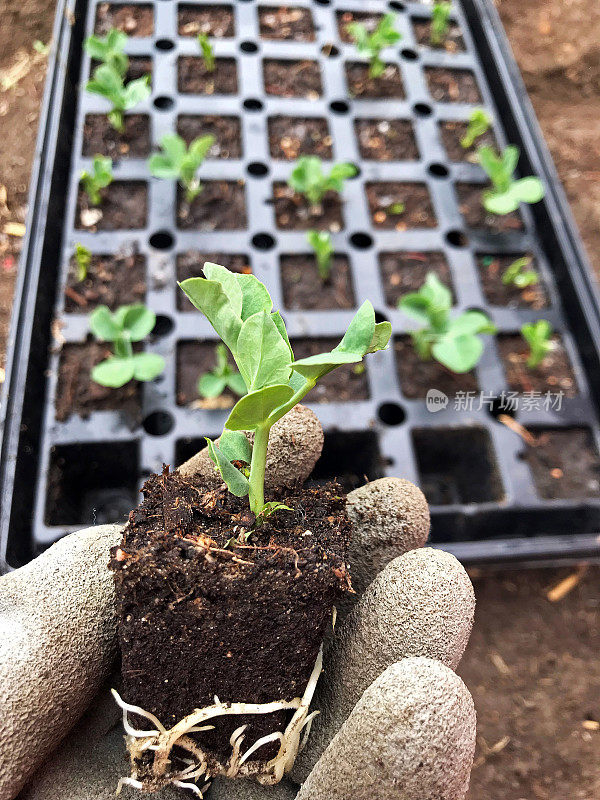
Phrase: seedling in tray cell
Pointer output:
(479, 123)
(321, 243)
(207, 51)
(224, 376)
(241, 311)
(308, 179)
(538, 336)
(177, 161)
(440, 22)
(517, 274)
(455, 343)
(507, 193)
(83, 259)
(109, 83)
(100, 177)
(109, 49)
(126, 325)
(371, 44)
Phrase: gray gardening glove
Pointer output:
(395, 721)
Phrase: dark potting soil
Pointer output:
(77, 393)
(499, 294)
(303, 289)
(220, 206)
(471, 207)
(554, 374)
(366, 18)
(216, 21)
(386, 139)
(452, 85)
(194, 78)
(244, 622)
(286, 23)
(193, 360)
(417, 376)
(227, 132)
(400, 205)
(138, 67)
(100, 138)
(405, 272)
(453, 41)
(360, 85)
(134, 20)
(112, 280)
(345, 384)
(124, 206)
(286, 78)
(452, 132)
(564, 463)
(293, 211)
(292, 137)
(191, 263)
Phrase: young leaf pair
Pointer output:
(177, 161)
(507, 193)
(371, 44)
(99, 178)
(308, 179)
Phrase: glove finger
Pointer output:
(422, 604)
(58, 643)
(295, 444)
(224, 789)
(411, 736)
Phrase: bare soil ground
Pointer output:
(532, 664)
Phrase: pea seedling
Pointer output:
(100, 177)
(83, 259)
(181, 162)
(440, 22)
(224, 376)
(108, 82)
(208, 53)
(507, 193)
(538, 336)
(453, 342)
(240, 310)
(371, 44)
(308, 179)
(321, 243)
(128, 324)
(479, 123)
(517, 274)
(109, 50)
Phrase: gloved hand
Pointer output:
(395, 721)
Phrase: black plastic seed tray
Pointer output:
(486, 506)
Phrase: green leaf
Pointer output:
(471, 322)
(211, 385)
(280, 325)
(136, 92)
(161, 167)
(147, 366)
(114, 372)
(529, 190)
(236, 383)
(460, 354)
(255, 295)
(210, 298)
(137, 320)
(103, 325)
(236, 482)
(361, 330)
(262, 355)
(272, 507)
(500, 203)
(315, 367)
(174, 147)
(253, 409)
(235, 446)
(229, 283)
(199, 148)
(381, 337)
(415, 306)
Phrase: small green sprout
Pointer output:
(83, 259)
(517, 274)
(538, 336)
(128, 324)
(41, 48)
(507, 193)
(108, 82)
(455, 343)
(208, 53)
(321, 243)
(371, 44)
(308, 178)
(240, 310)
(224, 376)
(440, 22)
(479, 123)
(181, 162)
(109, 49)
(100, 177)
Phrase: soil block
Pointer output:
(452, 42)
(112, 280)
(293, 211)
(191, 263)
(405, 272)
(452, 132)
(303, 289)
(564, 463)
(194, 78)
(346, 384)
(285, 78)
(286, 23)
(400, 205)
(124, 206)
(199, 618)
(134, 20)
(360, 85)
(216, 20)
(100, 138)
(386, 139)
(418, 376)
(471, 207)
(554, 374)
(220, 206)
(292, 137)
(491, 269)
(367, 18)
(452, 85)
(193, 360)
(226, 130)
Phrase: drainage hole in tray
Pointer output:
(164, 44)
(249, 47)
(253, 104)
(163, 325)
(163, 103)
(408, 54)
(438, 170)
(257, 169)
(329, 50)
(263, 241)
(457, 238)
(339, 107)
(422, 109)
(362, 241)
(159, 423)
(391, 413)
(161, 240)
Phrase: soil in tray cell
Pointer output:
(452, 42)
(220, 206)
(303, 289)
(352, 458)
(191, 263)
(294, 212)
(366, 18)
(387, 85)
(100, 138)
(452, 133)
(134, 20)
(418, 376)
(226, 131)
(400, 206)
(471, 207)
(553, 375)
(345, 384)
(452, 85)
(111, 280)
(292, 137)
(138, 67)
(216, 20)
(286, 23)
(497, 293)
(285, 78)
(386, 139)
(124, 206)
(405, 272)
(564, 463)
(194, 78)
(77, 393)
(193, 360)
